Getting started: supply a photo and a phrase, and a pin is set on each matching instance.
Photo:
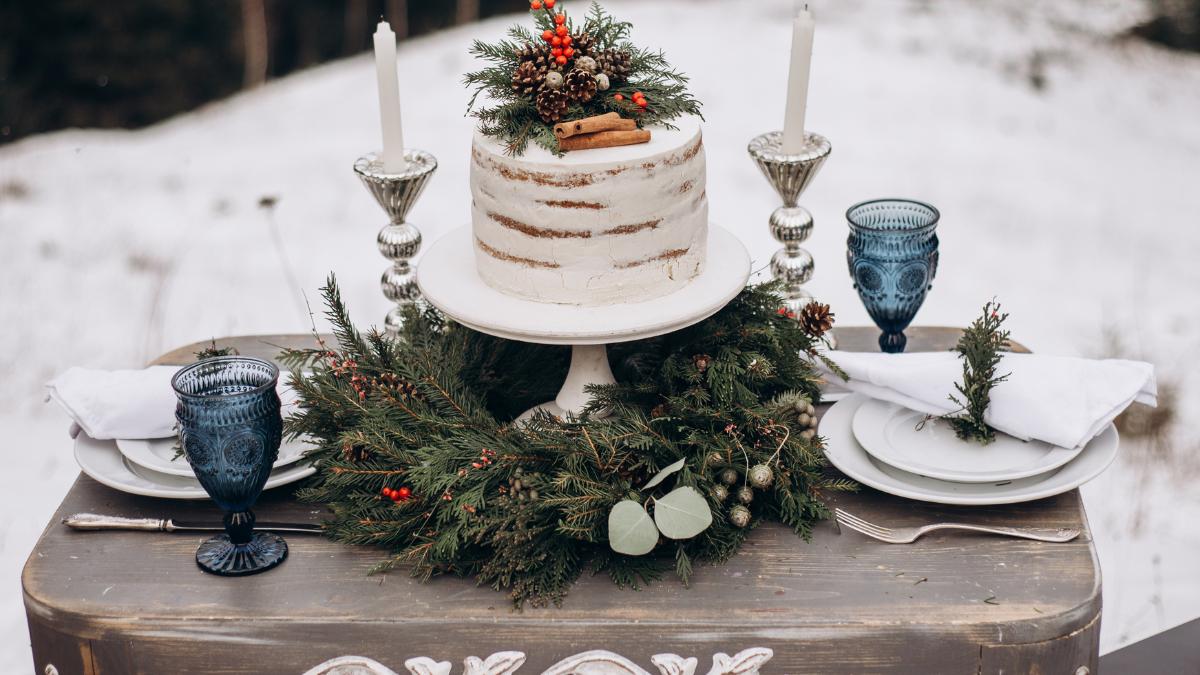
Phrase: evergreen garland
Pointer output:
(980, 347)
(513, 118)
(417, 452)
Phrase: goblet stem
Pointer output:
(239, 526)
(892, 343)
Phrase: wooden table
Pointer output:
(111, 602)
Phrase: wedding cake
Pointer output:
(587, 169)
(599, 227)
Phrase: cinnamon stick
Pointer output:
(589, 125)
(604, 139)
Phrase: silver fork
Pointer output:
(907, 535)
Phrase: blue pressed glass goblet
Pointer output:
(230, 428)
(893, 255)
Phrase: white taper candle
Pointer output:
(389, 99)
(803, 28)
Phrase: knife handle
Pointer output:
(95, 521)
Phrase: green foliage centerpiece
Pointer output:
(570, 70)
(418, 451)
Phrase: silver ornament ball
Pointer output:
(745, 495)
(602, 82)
(729, 476)
(721, 493)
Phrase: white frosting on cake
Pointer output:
(594, 227)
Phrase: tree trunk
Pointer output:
(254, 37)
(397, 15)
(356, 28)
(468, 11)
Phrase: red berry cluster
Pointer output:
(559, 38)
(639, 99)
(402, 494)
(784, 311)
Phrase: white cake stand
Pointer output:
(449, 281)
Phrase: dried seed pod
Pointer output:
(761, 476)
(745, 495)
(729, 476)
(739, 516)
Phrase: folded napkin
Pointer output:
(130, 404)
(1064, 401)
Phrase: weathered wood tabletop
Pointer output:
(135, 602)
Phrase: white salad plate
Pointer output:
(904, 439)
(157, 454)
(845, 453)
(102, 461)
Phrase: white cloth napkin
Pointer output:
(1064, 401)
(126, 404)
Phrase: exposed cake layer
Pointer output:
(594, 227)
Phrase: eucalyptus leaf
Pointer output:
(662, 475)
(682, 514)
(630, 529)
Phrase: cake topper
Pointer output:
(574, 71)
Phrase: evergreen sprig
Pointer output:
(514, 119)
(980, 347)
(523, 507)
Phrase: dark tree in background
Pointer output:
(95, 63)
(1176, 24)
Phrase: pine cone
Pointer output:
(580, 86)
(551, 104)
(583, 44)
(539, 56)
(816, 319)
(614, 63)
(528, 78)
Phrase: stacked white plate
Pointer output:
(895, 450)
(150, 467)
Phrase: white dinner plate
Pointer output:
(156, 454)
(102, 461)
(845, 453)
(901, 437)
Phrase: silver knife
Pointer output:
(95, 521)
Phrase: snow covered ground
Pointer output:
(1064, 161)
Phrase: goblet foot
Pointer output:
(892, 343)
(220, 555)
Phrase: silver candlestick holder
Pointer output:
(399, 240)
(791, 224)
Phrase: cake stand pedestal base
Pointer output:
(589, 365)
(450, 282)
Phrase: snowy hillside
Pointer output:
(1064, 161)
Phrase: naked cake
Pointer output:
(621, 224)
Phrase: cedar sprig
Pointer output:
(981, 347)
(513, 119)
